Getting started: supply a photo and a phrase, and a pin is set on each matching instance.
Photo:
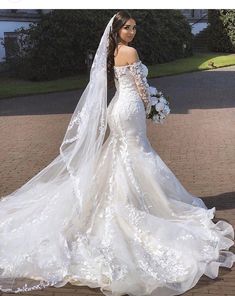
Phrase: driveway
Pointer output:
(197, 142)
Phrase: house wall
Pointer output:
(12, 19)
(194, 15)
(9, 26)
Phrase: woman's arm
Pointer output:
(136, 70)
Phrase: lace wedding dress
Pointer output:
(139, 233)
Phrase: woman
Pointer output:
(110, 214)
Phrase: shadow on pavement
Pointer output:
(223, 201)
(196, 90)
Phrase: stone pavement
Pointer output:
(197, 142)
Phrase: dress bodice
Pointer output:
(125, 76)
(127, 105)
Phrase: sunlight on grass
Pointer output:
(197, 62)
(219, 61)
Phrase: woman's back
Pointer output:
(124, 55)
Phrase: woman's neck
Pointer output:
(123, 43)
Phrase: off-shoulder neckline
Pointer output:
(129, 65)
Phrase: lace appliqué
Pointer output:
(137, 71)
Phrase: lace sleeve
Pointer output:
(136, 70)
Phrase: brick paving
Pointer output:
(197, 142)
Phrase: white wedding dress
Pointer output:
(140, 232)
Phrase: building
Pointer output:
(12, 19)
(197, 18)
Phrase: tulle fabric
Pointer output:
(71, 172)
(138, 236)
(139, 232)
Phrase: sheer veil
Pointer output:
(83, 140)
(73, 222)
(64, 181)
(84, 137)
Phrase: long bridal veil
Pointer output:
(43, 200)
(109, 214)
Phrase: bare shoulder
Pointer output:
(128, 49)
(126, 55)
(130, 53)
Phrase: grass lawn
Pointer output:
(198, 62)
(10, 87)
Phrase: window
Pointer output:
(11, 44)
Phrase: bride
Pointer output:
(110, 213)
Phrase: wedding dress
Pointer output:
(137, 232)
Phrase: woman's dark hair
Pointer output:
(118, 22)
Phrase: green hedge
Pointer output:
(161, 35)
(56, 46)
(221, 30)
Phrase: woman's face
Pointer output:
(127, 31)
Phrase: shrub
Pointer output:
(162, 34)
(222, 30)
(58, 44)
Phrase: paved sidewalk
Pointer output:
(197, 142)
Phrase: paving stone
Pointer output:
(197, 142)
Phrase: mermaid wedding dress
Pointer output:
(139, 231)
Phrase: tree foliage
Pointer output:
(221, 30)
(57, 45)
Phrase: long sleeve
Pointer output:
(136, 70)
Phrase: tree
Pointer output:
(58, 44)
(221, 30)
